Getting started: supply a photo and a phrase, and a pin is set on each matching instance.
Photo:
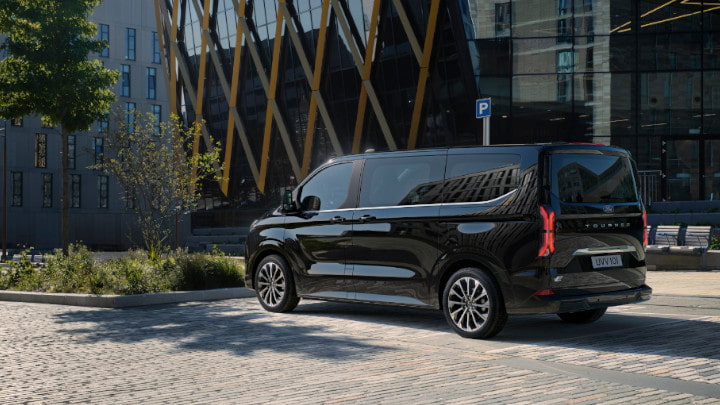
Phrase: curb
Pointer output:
(126, 301)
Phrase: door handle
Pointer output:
(366, 218)
(337, 220)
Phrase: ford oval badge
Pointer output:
(608, 209)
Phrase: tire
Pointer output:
(275, 285)
(473, 304)
(588, 316)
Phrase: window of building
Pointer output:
(105, 36)
(17, 189)
(155, 48)
(563, 88)
(125, 80)
(156, 110)
(151, 83)
(16, 122)
(40, 150)
(99, 150)
(565, 61)
(564, 29)
(130, 117)
(503, 13)
(71, 151)
(102, 187)
(75, 191)
(103, 124)
(47, 190)
(130, 43)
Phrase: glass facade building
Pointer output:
(284, 85)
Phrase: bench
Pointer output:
(677, 248)
(665, 236)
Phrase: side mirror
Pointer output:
(311, 203)
(288, 204)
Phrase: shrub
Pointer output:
(201, 271)
(21, 275)
(135, 273)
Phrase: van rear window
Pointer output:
(589, 178)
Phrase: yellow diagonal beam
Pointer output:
(367, 69)
(424, 73)
(315, 87)
(313, 77)
(232, 107)
(407, 27)
(200, 83)
(359, 64)
(272, 104)
(274, 69)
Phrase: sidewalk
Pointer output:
(688, 283)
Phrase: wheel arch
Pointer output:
(267, 248)
(483, 263)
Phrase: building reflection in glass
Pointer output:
(338, 76)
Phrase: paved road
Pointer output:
(663, 351)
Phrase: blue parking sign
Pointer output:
(482, 108)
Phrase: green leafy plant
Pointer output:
(135, 273)
(22, 274)
(152, 163)
(714, 243)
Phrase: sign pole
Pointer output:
(483, 111)
(486, 131)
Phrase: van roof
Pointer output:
(502, 148)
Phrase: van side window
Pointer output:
(477, 178)
(328, 189)
(402, 181)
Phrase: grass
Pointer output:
(135, 273)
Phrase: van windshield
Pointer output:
(591, 178)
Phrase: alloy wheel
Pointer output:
(271, 284)
(468, 304)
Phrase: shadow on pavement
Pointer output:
(615, 332)
(342, 330)
(213, 327)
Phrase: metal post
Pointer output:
(4, 196)
(486, 131)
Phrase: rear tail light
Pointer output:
(547, 245)
(646, 231)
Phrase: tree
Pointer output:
(150, 160)
(47, 72)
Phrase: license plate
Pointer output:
(602, 262)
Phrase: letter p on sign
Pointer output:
(482, 108)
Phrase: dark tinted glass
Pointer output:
(475, 178)
(402, 181)
(592, 178)
(328, 189)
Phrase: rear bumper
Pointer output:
(552, 304)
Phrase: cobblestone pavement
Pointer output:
(234, 352)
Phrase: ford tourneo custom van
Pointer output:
(478, 232)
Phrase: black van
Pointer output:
(478, 232)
